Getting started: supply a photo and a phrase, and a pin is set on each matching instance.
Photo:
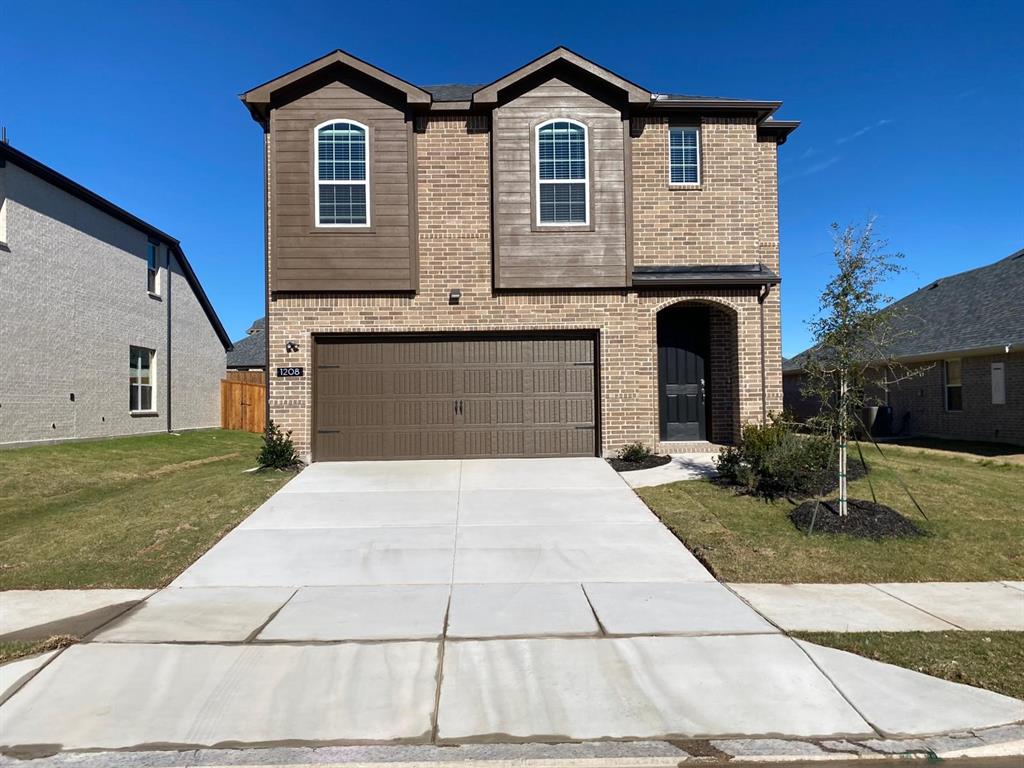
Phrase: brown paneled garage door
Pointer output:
(453, 396)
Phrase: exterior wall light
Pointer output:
(291, 346)
(454, 296)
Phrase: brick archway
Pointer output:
(721, 364)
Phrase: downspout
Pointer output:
(170, 261)
(762, 294)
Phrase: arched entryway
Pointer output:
(697, 373)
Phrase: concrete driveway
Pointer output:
(457, 601)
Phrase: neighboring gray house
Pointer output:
(104, 328)
(250, 353)
(967, 332)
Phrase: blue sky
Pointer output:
(912, 112)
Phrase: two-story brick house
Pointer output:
(554, 264)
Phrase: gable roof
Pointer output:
(489, 94)
(250, 352)
(973, 312)
(59, 180)
(475, 97)
(258, 99)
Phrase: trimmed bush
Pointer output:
(773, 461)
(634, 453)
(277, 451)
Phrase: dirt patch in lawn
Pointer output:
(865, 520)
(631, 466)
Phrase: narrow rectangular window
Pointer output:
(342, 178)
(998, 384)
(562, 178)
(140, 379)
(684, 155)
(152, 266)
(954, 386)
(3, 206)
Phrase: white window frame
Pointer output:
(155, 290)
(947, 385)
(3, 206)
(585, 179)
(317, 182)
(152, 380)
(700, 175)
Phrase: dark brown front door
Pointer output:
(682, 373)
(408, 397)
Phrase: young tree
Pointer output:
(850, 362)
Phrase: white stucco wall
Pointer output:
(73, 299)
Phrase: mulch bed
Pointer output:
(866, 520)
(629, 466)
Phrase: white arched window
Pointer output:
(563, 184)
(342, 174)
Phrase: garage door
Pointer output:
(454, 397)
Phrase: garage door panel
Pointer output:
(460, 397)
(412, 413)
(423, 382)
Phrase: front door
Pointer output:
(682, 373)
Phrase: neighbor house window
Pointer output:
(998, 384)
(342, 176)
(152, 266)
(140, 379)
(684, 155)
(563, 188)
(954, 386)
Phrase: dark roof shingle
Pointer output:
(973, 310)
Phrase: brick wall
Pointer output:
(73, 299)
(923, 399)
(453, 190)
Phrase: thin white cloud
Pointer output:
(862, 131)
(818, 167)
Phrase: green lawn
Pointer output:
(976, 522)
(123, 512)
(992, 660)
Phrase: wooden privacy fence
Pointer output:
(243, 405)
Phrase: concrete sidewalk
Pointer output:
(914, 607)
(448, 602)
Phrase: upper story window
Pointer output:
(152, 267)
(3, 208)
(684, 155)
(342, 176)
(140, 379)
(954, 385)
(563, 185)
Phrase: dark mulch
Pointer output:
(866, 520)
(629, 466)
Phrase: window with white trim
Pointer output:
(954, 385)
(3, 206)
(140, 379)
(563, 184)
(684, 155)
(152, 267)
(342, 174)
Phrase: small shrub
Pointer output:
(772, 461)
(634, 452)
(277, 452)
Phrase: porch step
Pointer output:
(689, 446)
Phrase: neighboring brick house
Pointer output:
(557, 263)
(104, 328)
(964, 335)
